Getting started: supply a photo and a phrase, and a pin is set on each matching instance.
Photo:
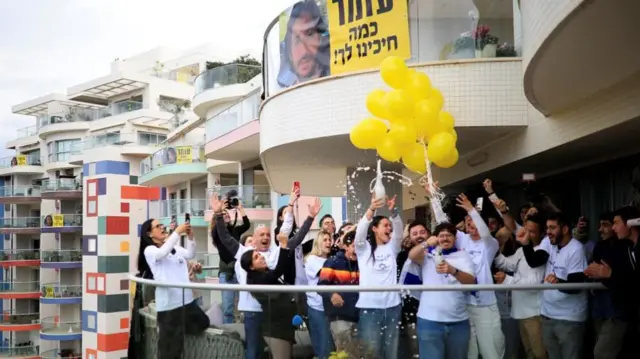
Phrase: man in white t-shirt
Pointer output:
(564, 312)
(486, 337)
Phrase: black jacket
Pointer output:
(625, 275)
(236, 232)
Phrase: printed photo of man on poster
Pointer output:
(305, 52)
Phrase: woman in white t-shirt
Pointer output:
(443, 322)
(178, 313)
(319, 328)
(378, 242)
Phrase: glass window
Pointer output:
(61, 150)
(151, 139)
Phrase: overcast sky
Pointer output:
(49, 45)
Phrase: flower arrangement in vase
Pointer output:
(463, 46)
(506, 50)
(486, 44)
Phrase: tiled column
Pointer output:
(114, 208)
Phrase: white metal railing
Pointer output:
(27, 131)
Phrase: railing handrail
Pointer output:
(57, 284)
(14, 282)
(61, 250)
(62, 214)
(376, 288)
(5, 218)
(21, 186)
(13, 250)
(219, 68)
(21, 154)
(20, 348)
(46, 320)
(54, 354)
(10, 312)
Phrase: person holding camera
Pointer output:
(227, 263)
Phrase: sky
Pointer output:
(49, 45)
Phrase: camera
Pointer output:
(232, 199)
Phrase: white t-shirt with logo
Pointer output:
(246, 302)
(446, 306)
(312, 266)
(563, 261)
(380, 268)
(482, 253)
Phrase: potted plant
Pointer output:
(506, 50)
(258, 203)
(463, 47)
(486, 44)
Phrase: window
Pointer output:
(61, 150)
(151, 139)
(107, 139)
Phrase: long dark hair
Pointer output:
(143, 267)
(246, 260)
(371, 237)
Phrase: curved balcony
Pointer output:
(223, 84)
(171, 165)
(20, 164)
(20, 194)
(60, 353)
(24, 350)
(234, 134)
(19, 322)
(214, 166)
(20, 225)
(128, 144)
(25, 136)
(19, 258)
(58, 161)
(61, 223)
(256, 201)
(63, 188)
(19, 290)
(69, 258)
(55, 293)
(58, 330)
(561, 70)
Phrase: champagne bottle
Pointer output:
(378, 188)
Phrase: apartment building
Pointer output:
(73, 201)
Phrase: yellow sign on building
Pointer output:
(58, 220)
(184, 154)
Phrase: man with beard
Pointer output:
(306, 52)
(416, 234)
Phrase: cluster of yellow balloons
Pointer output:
(408, 122)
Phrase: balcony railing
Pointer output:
(9, 318)
(244, 111)
(60, 353)
(20, 222)
(177, 76)
(75, 114)
(118, 139)
(194, 207)
(27, 131)
(251, 196)
(53, 325)
(62, 255)
(172, 155)
(61, 184)
(19, 255)
(20, 191)
(20, 160)
(56, 290)
(62, 220)
(225, 75)
(19, 350)
(19, 287)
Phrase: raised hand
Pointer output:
(315, 207)
(499, 277)
(216, 204)
(425, 184)
(464, 203)
(295, 194)
(532, 211)
(376, 203)
(391, 203)
(501, 206)
(523, 236)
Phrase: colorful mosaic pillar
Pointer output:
(114, 208)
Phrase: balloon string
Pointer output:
(436, 195)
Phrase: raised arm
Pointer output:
(363, 224)
(189, 250)
(398, 227)
(166, 248)
(297, 239)
(246, 224)
(226, 239)
(417, 253)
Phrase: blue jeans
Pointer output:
(438, 340)
(253, 340)
(228, 297)
(379, 331)
(320, 333)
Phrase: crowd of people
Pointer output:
(490, 246)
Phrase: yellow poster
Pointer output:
(21, 160)
(365, 32)
(58, 220)
(183, 154)
(49, 292)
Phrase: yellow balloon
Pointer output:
(446, 120)
(426, 116)
(376, 105)
(400, 103)
(454, 134)
(388, 149)
(449, 161)
(367, 133)
(414, 158)
(436, 97)
(419, 85)
(440, 145)
(403, 132)
(394, 71)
